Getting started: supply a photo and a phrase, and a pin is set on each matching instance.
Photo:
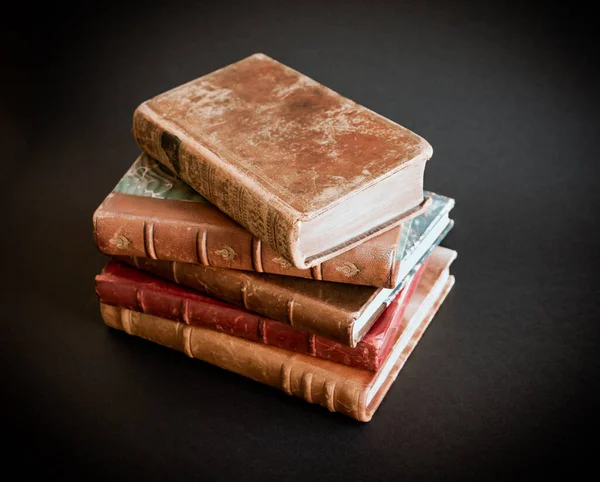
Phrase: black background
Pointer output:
(504, 381)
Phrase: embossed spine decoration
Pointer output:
(348, 269)
(227, 252)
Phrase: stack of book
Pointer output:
(276, 229)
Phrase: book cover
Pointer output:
(304, 169)
(152, 213)
(351, 391)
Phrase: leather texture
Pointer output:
(337, 387)
(273, 148)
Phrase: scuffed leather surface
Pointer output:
(297, 138)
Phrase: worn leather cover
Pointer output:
(126, 287)
(320, 307)
(338, 387)
(198, 232)
(272, 148)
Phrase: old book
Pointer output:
(152, 213)
(306, 170)
(126, 287)
(341, 312)
(351, 391)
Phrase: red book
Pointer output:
(126, 287)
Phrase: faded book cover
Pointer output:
(304, 169)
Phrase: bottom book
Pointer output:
(340, 388)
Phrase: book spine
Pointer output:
(264, 215)
(236, 322)
(258, 295)
(127, 225)
(339, 390)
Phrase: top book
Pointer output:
(306, 170)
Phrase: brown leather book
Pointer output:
(151, 213)
(351, 391)
(306, 170)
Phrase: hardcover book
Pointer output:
(152, 213)
(350, 391)
(341, 312)
(126, 287)
(304, 169)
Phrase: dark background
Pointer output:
(503, 383)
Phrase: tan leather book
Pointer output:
(304, 169)
(152, 213)
(340, 388)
